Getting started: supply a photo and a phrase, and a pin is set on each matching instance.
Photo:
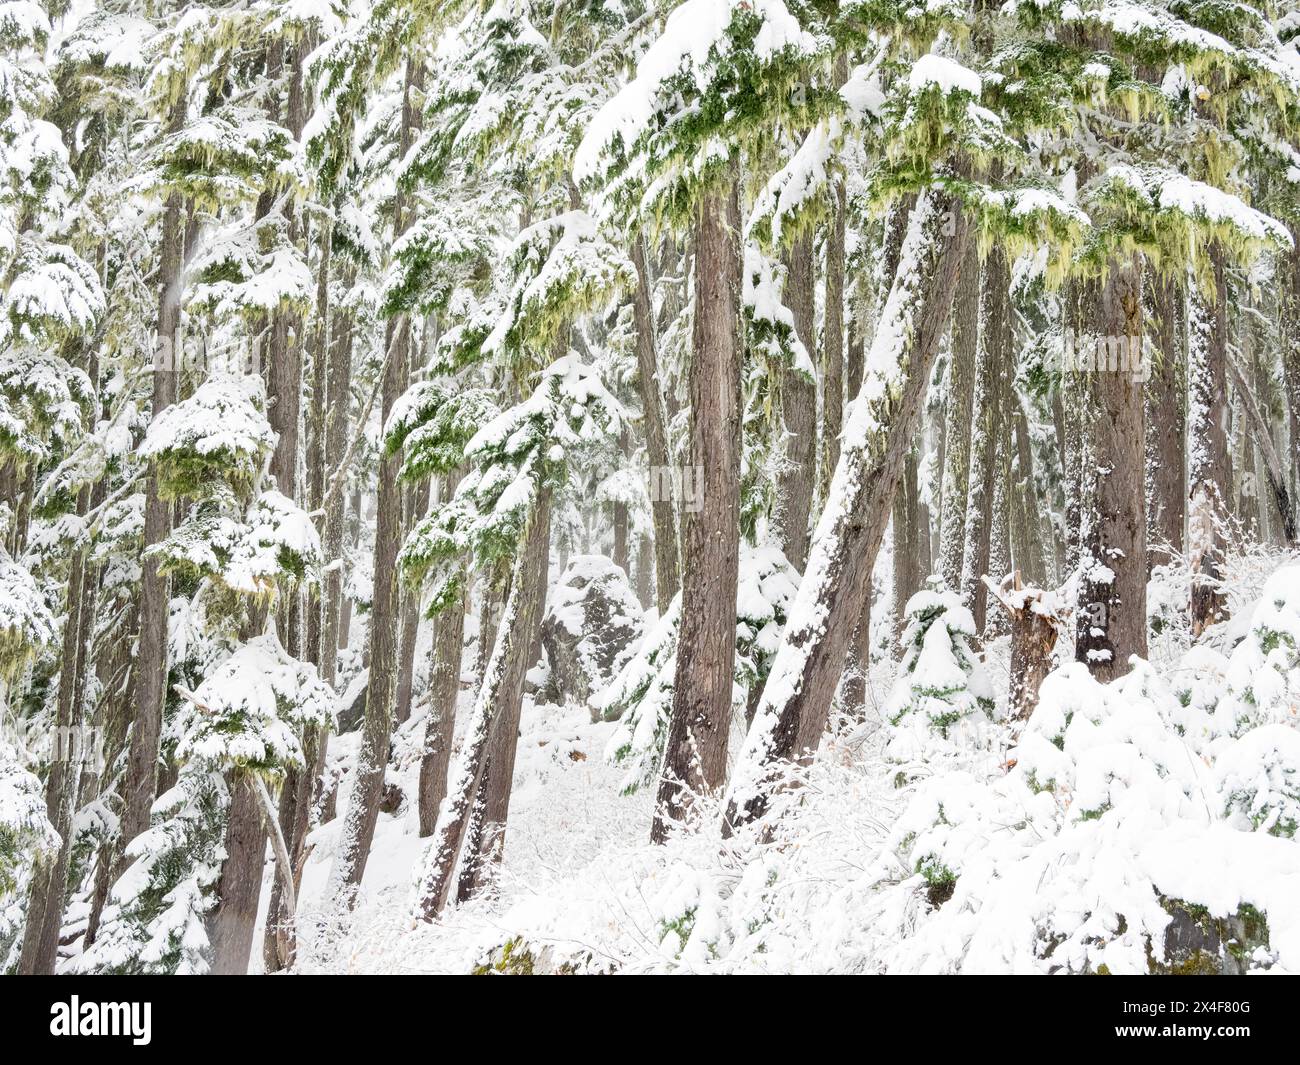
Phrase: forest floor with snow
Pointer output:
(832, 880)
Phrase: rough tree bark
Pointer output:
(1035, 625)
(444, 687)
(911, 541)
(1111, 615)
(695, 756)
(994, 356)
(239, 888)
(1166, 426)
(833, 339)
(957, 414)
(799, 406)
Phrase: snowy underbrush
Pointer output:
(1143, 826)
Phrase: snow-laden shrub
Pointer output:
(1263, 676)
(1259, 779)
(1134, 833)
(942, 692)
(25, 829)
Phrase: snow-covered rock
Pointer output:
(593, 624)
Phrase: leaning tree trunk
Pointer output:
(799, 407)
(150, 673)
(1111, 615)
(1166, 428)
(465, 802)
(1208, 468)
(695, 755)
(662, 511)
(503, 735)
(957, 414)
(376, 734)
(882, 421)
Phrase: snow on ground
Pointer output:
(565, 808)
(836, 880)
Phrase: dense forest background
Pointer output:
(604, 486)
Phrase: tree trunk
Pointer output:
(994, 354)
(418, 504)
(995, 624)
(376, 735)
(799, 407)
(1166, 428)
(1208, 471)
(645, 572)
(514, 637)
(151, 657)
(1033, 638)
(879, 433)
(909, 537)
(444, 689)
(232, 920)
(662, 509)
(695, 756)
(833, 338)
(49, 878)
(1111, 619)
(503, 736)
(1289, 313)
(957, 414)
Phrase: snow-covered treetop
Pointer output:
(719, 72)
